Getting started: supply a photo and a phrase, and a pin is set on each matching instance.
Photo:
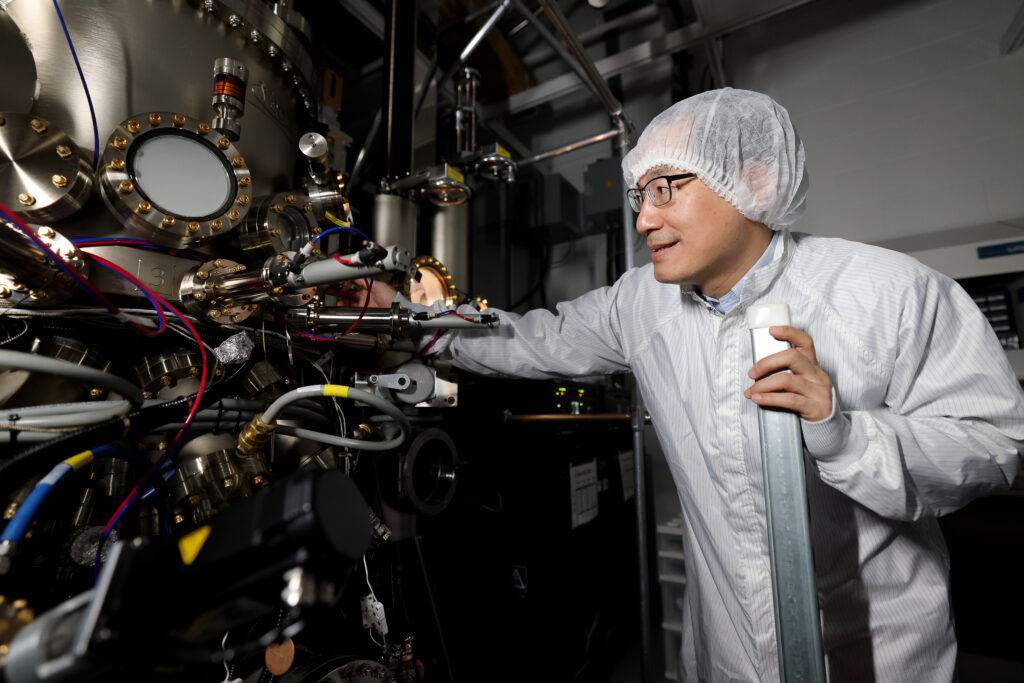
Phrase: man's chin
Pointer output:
(666, 277)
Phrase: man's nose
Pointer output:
(648, 219)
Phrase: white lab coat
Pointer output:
(928, 416)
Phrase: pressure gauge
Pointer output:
(174, 180)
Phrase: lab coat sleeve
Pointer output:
(582, 338)
(951, 427)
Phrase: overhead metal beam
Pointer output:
(566, 84)
(367, 15)
(636, 56)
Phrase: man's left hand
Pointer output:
(806, 390)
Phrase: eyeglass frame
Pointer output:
(635, 195)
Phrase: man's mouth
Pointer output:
(657, 249)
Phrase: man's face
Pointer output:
(698, 238)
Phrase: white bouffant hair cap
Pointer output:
(740, 143)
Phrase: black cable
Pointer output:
(544, 268)
(14, 333)
(43, 456)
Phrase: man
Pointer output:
(909, 408)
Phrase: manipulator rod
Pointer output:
(395, 320)
(368, 262)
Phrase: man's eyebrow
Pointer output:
(656, 172)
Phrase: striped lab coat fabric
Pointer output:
(927, 416)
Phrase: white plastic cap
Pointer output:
(766, 315)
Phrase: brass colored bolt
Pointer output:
(144, 207)
(179, 518)
(5, 292)
(146, 394)
(179, 120)
(238, 162)
(193, 227)
(233, 214)
(317, 230)
(216, 224)
(259, 480)
(204, 128)
(223, 143)
(244, 181)
(200, 296)
(239, 267)
(274, 232)
(307, 208)
(63, 151)
(193, 371)
(290, 198)
(117, 164)
(26, 199)
(276, 208)
(227, 482)
(167, 222)
(316, 251)
(133, 127)
(166, 380)
(236, 318)
(95, 393)
(155, 119)
(219, 263)
(218, 372)
(243, 199)
(2, 121)
(202, 275)
(125, 187)
(59, 180)
(280, 257)
(47, 232)
(37, 294)
(38, 126)
(278, 290)
(120, 143)
(214, 313)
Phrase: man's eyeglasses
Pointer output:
(658, 190)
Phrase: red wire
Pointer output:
(366, 305)
(83, 281)
(192, 412)
(128, 276)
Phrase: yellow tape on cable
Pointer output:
(339, 390)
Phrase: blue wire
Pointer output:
(328, 232)
(92, 110)
(152, 301)
(74, 275)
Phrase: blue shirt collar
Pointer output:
(732, 297)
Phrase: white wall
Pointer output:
(911, 119)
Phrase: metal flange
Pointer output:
(202, 294)
(156, 176)
(43, 174)
(279, 223)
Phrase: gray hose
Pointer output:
(17, 360)
(62, 409)
(342, 441)
(16, 417)
(275, 408)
